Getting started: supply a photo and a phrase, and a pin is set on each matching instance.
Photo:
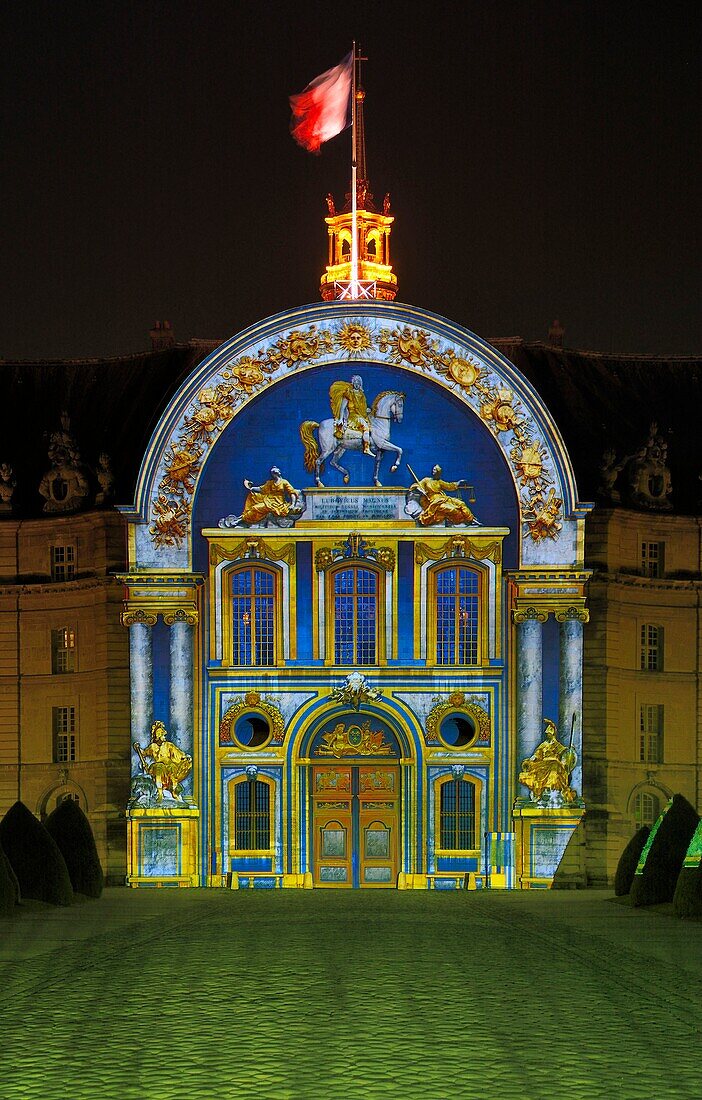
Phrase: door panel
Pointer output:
(355, 826)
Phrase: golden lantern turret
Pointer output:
(374, 277)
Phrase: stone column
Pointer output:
(181, 688)
(529, 684)
(570, 694)
(141, 683)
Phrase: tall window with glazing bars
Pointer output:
(253, 617)
(252, 816)
(355, 616)
(457, 610)
(457, 816)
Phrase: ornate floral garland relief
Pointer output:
(216, 404)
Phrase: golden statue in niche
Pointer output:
(549, 767)
(169, 765)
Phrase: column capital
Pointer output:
(181, 615)
(529, 614)
(572, 614)
(131, 616)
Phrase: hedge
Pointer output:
(687, 900)
(628, 861)
(35, 857)
(71, 830)
(9, 887)
(662, 857)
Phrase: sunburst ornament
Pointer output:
(354, 338)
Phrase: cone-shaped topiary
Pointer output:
(9, 887)
(663, 854)
(687, 900)
(71, 830)
(628, 861)
(35, 857)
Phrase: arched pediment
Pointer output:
(347, 335)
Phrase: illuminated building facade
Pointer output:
(352, 653)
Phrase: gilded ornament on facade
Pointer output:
(354, 338)
(529, 614)
(500, 411)
(457, 703)
(572, 614)
(181, 615)
(528, 461)
(549, 768)
(170, 521)
(354, 740)
(377, 781)
(255, 548)
(355, 691)
(182, 466)
(301, 347)
(213, 409)
(542, 516)
(247, 373)
(131, 616)
(408, 345)
(354, 548)
(252, 703)
(458, 546)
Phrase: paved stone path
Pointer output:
(334, 994)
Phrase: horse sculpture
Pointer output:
(387, 407)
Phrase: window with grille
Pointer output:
(651, 648)
(651, 733)
(253, 617)
(652, 559)
(252, 816)
(63, 650)
(64, 730)
(63, 563)
(457, 815)
(355, 616)
(647, 809)
(457, 611)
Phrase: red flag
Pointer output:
(321, 111)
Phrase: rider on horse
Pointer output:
(349, 409)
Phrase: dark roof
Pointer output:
(598, 401)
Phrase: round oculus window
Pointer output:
(252, 730)
(458, 731)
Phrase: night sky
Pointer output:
(543, 160)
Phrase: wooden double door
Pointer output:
(355, 822)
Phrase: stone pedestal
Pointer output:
(542, 836)
(162, 846)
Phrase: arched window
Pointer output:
(457, 615)
(647, 808)
(355, 616)
(251, 825)
(457, 816)
(253, 616)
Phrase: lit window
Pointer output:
(457, 815)
(71, 795)
(64, 729)
(651, 733)
(457, 595)
(651, 648)
(647, 809)
(63, 563)
(252, 816)
(63, 650)
(355, 616)
(652, 559)
(253, 617)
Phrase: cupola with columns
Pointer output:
(374, 278)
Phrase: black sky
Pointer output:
(543, 159)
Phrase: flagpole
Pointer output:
(354, 216)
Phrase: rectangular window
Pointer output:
(64, 724)
(63, 563)
(252, 816)
(63, 650)
(652, 559)
(457, 815)
(651, 658)
(253, 617)
(355, 616)
(457, 596)
(651, 733)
